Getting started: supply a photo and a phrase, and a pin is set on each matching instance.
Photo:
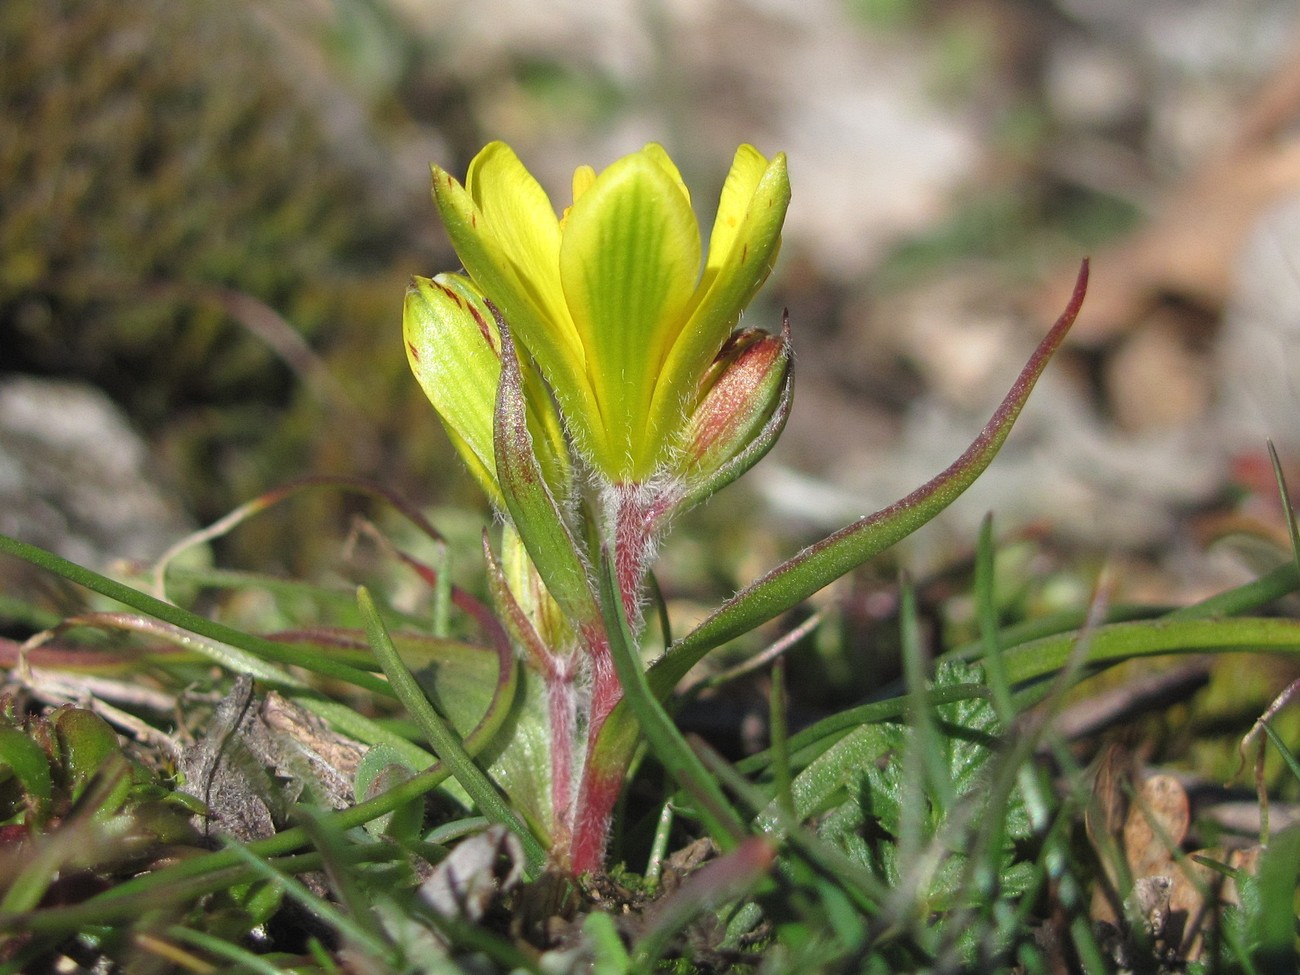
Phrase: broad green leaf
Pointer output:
(25, 762)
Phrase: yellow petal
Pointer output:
(742, 252)
(510, 247)
(660, 157)
(583, 177)
(521, 221)
(747, 169)
(629, 264)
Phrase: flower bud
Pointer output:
(743, 407)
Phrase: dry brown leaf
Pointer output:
(1172, 896)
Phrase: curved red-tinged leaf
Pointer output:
(822, 563)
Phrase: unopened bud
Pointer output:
(744, 388)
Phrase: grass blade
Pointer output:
(445, 744)
(257, 646)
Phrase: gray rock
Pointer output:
(76, 479)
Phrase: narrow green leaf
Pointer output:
(1288, 757)
(533, 509)
(255, 645)
(354, 931)
(448, 747)
(1121, 641)
(987, 614)
(1293, 531)
(926, 751)
(665, 740)
(226, 950)
(780, 739)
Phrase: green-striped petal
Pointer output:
(454, 348)
(518, 215)
(629, 263)
(743, 247)
(455, 353)
(516, 268)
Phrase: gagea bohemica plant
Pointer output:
(589, 369)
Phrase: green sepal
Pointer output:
(455, 354)
(749, 403)
(454, 348)
(533, 509)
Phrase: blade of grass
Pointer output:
(665, 740)
(319, 907)
(257, 646)
(1171, 635)
(987, 614)
(241, 957)
(780, 739)
(269, 499)
(926, 745)
(1293, 532)
(445, 744)
(1283, 749)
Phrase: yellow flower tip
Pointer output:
(583, 177)
(659, 156)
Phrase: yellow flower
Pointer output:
(615, 300)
